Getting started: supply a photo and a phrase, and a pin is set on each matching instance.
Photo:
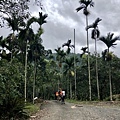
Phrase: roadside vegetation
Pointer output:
(32, 108)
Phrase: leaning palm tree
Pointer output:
(84, 5)
(95, 34)
(109, 42)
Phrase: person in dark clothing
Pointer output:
(63, 97)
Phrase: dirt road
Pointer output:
(54, 110)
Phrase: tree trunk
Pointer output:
(34, 80)
(97, 70)
(110, 79)
(26, 68)
(88, 60)
(68, 87)
(74, 65)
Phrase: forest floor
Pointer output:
(54, 110)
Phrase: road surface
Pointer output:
(54, 110)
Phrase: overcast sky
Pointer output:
(63, 19)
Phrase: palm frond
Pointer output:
(67, 44)
(95, 23)
(95, 33)
(115, 39)
(87, 3)
(41, 20)
(109, 40)
(79, 8)
(84, 49)
(86, 12)
(30, 21)
(92, 4)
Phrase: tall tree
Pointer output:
(18, 8)
(37, 46)
(109, 41)
(26, 35)
(94, 35)
(60, 57)
(35, 54)
(14, 23)
(84, 5)
(68, 70)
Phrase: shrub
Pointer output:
(12, 108)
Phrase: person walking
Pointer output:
(63, 96)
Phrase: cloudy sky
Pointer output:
(63, 19)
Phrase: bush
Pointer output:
(11, 104)
(13, 108)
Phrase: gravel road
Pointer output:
(54, 110)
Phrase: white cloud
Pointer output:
(62, 19)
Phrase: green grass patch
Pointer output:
(32, 108)
(100, 103)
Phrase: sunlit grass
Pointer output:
(32, 108)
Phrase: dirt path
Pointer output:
(53, 110)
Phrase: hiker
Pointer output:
(63, 96)
(56, 95)
(60, 94)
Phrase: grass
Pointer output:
(116, 103)
(32, 108)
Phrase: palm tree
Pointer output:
(40, 20)
(28, 37)
(68, 70)
(84, 49)
(14, 23)
(35, 54)
(37, 47)
(68, 45)
(95, 34)
(60, 57)
(84, 5)
(109, 42)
